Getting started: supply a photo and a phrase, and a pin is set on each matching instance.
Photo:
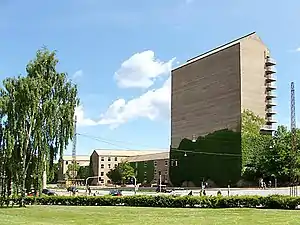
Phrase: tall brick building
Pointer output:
(210, 91)
(209, 94)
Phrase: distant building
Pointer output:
(82, 160)
(103, 160)
(149, 167)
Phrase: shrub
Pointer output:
(270, 202)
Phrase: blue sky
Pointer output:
(120, 53)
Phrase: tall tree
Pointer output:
(121, 173)
(254, 144)
(39, 112)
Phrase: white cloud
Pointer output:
(81, 120)
(77, 74)
(153, 104)
(141, 70)
(298, 49)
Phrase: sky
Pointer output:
(120, 54)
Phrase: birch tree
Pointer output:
(39, 113)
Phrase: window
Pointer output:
(116, 165)
(155, 172)
(108, 159)
(155, 163)
(176, 163)
(116, 159)
(166, 162)
(108, 166)
(172, 162)
(67, 162)
(102, 166)
(102, 158)
(166, 173)
(102, 174)
(145, 164)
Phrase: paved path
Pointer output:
(224, 191)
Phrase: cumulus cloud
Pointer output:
(153, 104)
(81, 119)
(298, 49)
(141, 70)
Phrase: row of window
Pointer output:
(108, 165)
(109, 159)
(155, 163)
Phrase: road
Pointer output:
(213, 192)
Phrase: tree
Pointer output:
(251, 136)
(83, 172)
(121, 173)
(253, 143)
(72, 170)
(53, 174)
(37, 112)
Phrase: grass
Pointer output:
(63, 215)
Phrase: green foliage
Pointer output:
(36, 114)
(83, 172)
(165, 201)
(52, 176)
(217, 157)
(144, 171)
(121, 173)
(253, 142)
(72, 170)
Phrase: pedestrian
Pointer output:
(204, 193)
(219, 193)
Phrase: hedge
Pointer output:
(164, 201)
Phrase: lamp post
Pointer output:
(275, 180)
(134, 182)
(86, 182)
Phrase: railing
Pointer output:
(271, 69)
(270, 61)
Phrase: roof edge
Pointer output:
(214, 50)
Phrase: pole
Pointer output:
(134, 180)
(159, 181)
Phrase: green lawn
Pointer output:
(85, 215)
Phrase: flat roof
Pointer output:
(148, 157)
(125, 153)
(214, 50)
(78, 157)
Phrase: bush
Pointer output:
(270, 202)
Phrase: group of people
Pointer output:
(262, 184)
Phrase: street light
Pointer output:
(275, 180)
(194, 139)
(86, 182)
(134, 182)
